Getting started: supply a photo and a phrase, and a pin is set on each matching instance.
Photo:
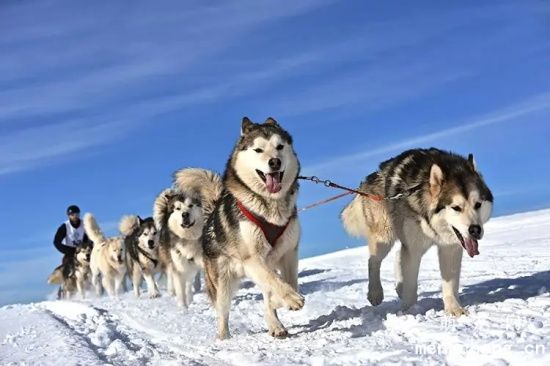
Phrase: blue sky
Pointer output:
(101, 101)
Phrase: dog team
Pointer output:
(245, 224)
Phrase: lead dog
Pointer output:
(446, 204)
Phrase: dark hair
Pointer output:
(73, 209)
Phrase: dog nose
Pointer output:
(275, 163)
(475, 231)
(151, 243)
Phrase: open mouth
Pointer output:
(469, 244)
(187, 226)
(272, 180)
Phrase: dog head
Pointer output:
(147, 235)
(185, 218)
(461, 202)
(116, 250)
(264, 158)
(83, 253)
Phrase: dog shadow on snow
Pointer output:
(372, 318)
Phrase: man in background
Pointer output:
(70, 234)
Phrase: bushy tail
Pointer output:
(205, 182)
(128, 225)
(160, 208)
(56, 278)
(92, 229)
(354, 219)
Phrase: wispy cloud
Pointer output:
(537, 103)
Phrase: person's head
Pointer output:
(73, 212)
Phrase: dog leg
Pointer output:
(450, 262)
(108, 285)
(170, 281)
(276, 329)
(119, 281)
(226, 286)
(79, 286)
(152, 288)
(179, 287)
(283, 293)
(136, 280)
(97, 284)
(408, 265)
(289, 268)
(378, 251)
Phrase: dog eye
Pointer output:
(477, 205)
(259, 151)
(178, 209)
(457, 208)
(280, 147)
(190, 206)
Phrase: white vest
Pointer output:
(74, 236)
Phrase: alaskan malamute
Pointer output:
(142, 252)
(253, 229)
(446, 203)
(108, 259)
(179, 216)
(75, 274)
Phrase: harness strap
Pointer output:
(155, 261)
(271, 232)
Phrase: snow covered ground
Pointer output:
(506, 290)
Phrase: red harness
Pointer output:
(271, 232)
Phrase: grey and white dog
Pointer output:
(142, 252)
(446, 203)
(253, 228)
(179, 215)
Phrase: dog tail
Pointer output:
(353, 218)
(92, 229)
(56, 278)
(205, 182)
(161, 209)
(128, 225)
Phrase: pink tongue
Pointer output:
(272, 184)
(471, 247)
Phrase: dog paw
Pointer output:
(154, 295)
(223, 335)
(456, 311)
(278, 332)
(375, 296)
(293, 300)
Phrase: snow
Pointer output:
(506, 290)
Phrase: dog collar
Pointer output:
(271, 232)
(155, 261)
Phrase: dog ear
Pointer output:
(472, 162)
(271, 121)
(436, 180)
(246, 126)
(140, 220)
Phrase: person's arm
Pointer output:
(58, 241)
